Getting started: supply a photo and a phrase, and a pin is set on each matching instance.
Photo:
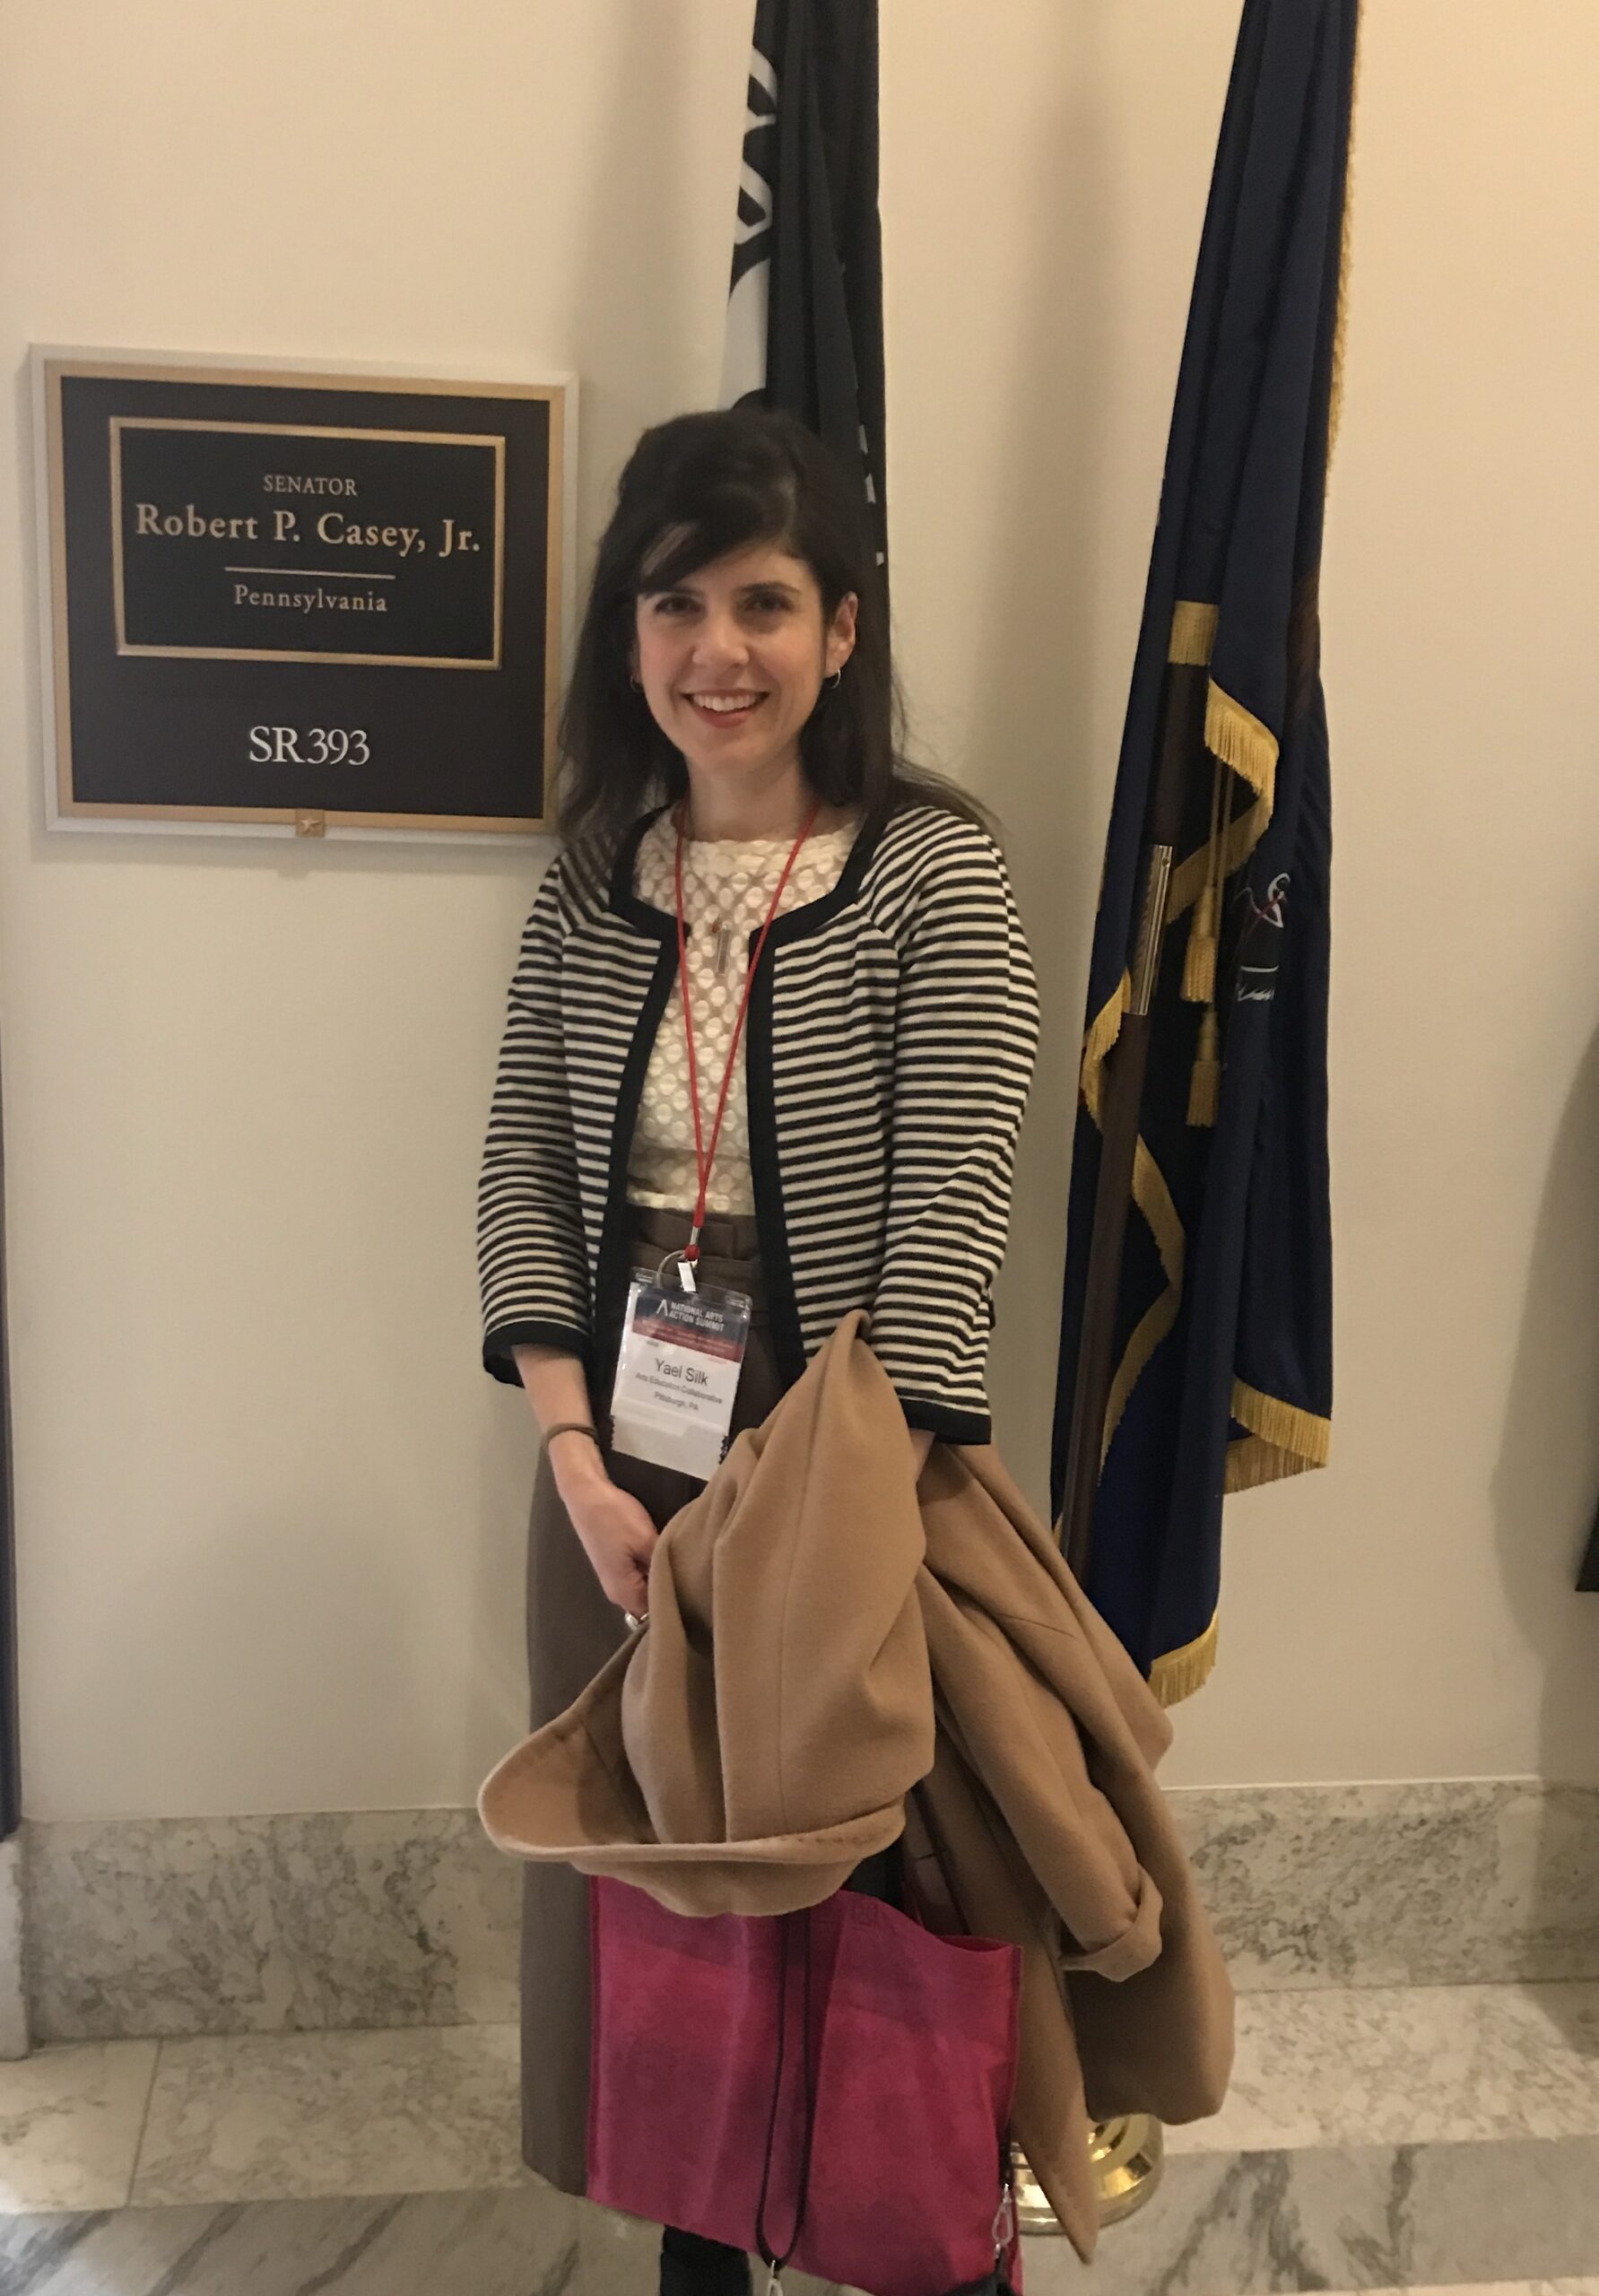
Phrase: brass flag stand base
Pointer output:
(1127, 2156)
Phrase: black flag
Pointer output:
(804, 309)
(1217, 1306)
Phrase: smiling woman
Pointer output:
(734, 526)
(732, 663)
(772, 1026)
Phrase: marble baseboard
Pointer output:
(283, 1924)
(377, 1918)
(14, 2035)
(1467, 1881)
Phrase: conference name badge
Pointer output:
(677, 1375)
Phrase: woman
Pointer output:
(828, 1120)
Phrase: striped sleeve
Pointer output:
(965, 1037)
(532, 1262)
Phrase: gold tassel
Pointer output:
(1199, 959)
(1204, 1086)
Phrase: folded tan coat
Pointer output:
(836, 1655)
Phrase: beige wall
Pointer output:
(270, 1513)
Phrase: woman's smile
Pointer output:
(726, 710)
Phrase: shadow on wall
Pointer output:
(639, 273)
(1544, 1491)
(1034, 644)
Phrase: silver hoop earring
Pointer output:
(637, 684)
(835, 682)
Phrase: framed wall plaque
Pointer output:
(286, 600)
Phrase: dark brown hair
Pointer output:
(694, 489)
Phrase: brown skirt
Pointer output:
(571, 1630)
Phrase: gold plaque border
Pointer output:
(59, 368)
(483, 441)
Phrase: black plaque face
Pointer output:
(321, 601)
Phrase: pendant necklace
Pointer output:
(722, 942)
(720, 903)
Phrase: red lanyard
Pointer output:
(705, 1158)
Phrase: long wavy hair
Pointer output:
(695, 489)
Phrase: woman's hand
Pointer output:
(617, 1533)
(617, 1536)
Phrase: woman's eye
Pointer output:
(670, 603)
(768, 602)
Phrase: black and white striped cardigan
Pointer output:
(890, 1037)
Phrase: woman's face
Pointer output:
(732, 660)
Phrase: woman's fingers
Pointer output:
(620, 1538)
(638, 1601)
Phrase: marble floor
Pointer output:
(1442, 2137)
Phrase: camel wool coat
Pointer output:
(838, 1655)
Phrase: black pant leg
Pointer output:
(691, 2265)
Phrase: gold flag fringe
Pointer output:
(1304, 1434)
(1205, 1085)
(1180, 1673)
(1193, 632)
(1240, 741)
(1153, 1199)
(1250, 1463)
(1102, 1032)
(1147, 1333)
(1345, 252)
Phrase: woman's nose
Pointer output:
(720, 643)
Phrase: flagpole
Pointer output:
(1182, 742)
(1127, 2152)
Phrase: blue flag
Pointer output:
(1222, 1346)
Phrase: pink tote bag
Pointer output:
(829, 2088)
